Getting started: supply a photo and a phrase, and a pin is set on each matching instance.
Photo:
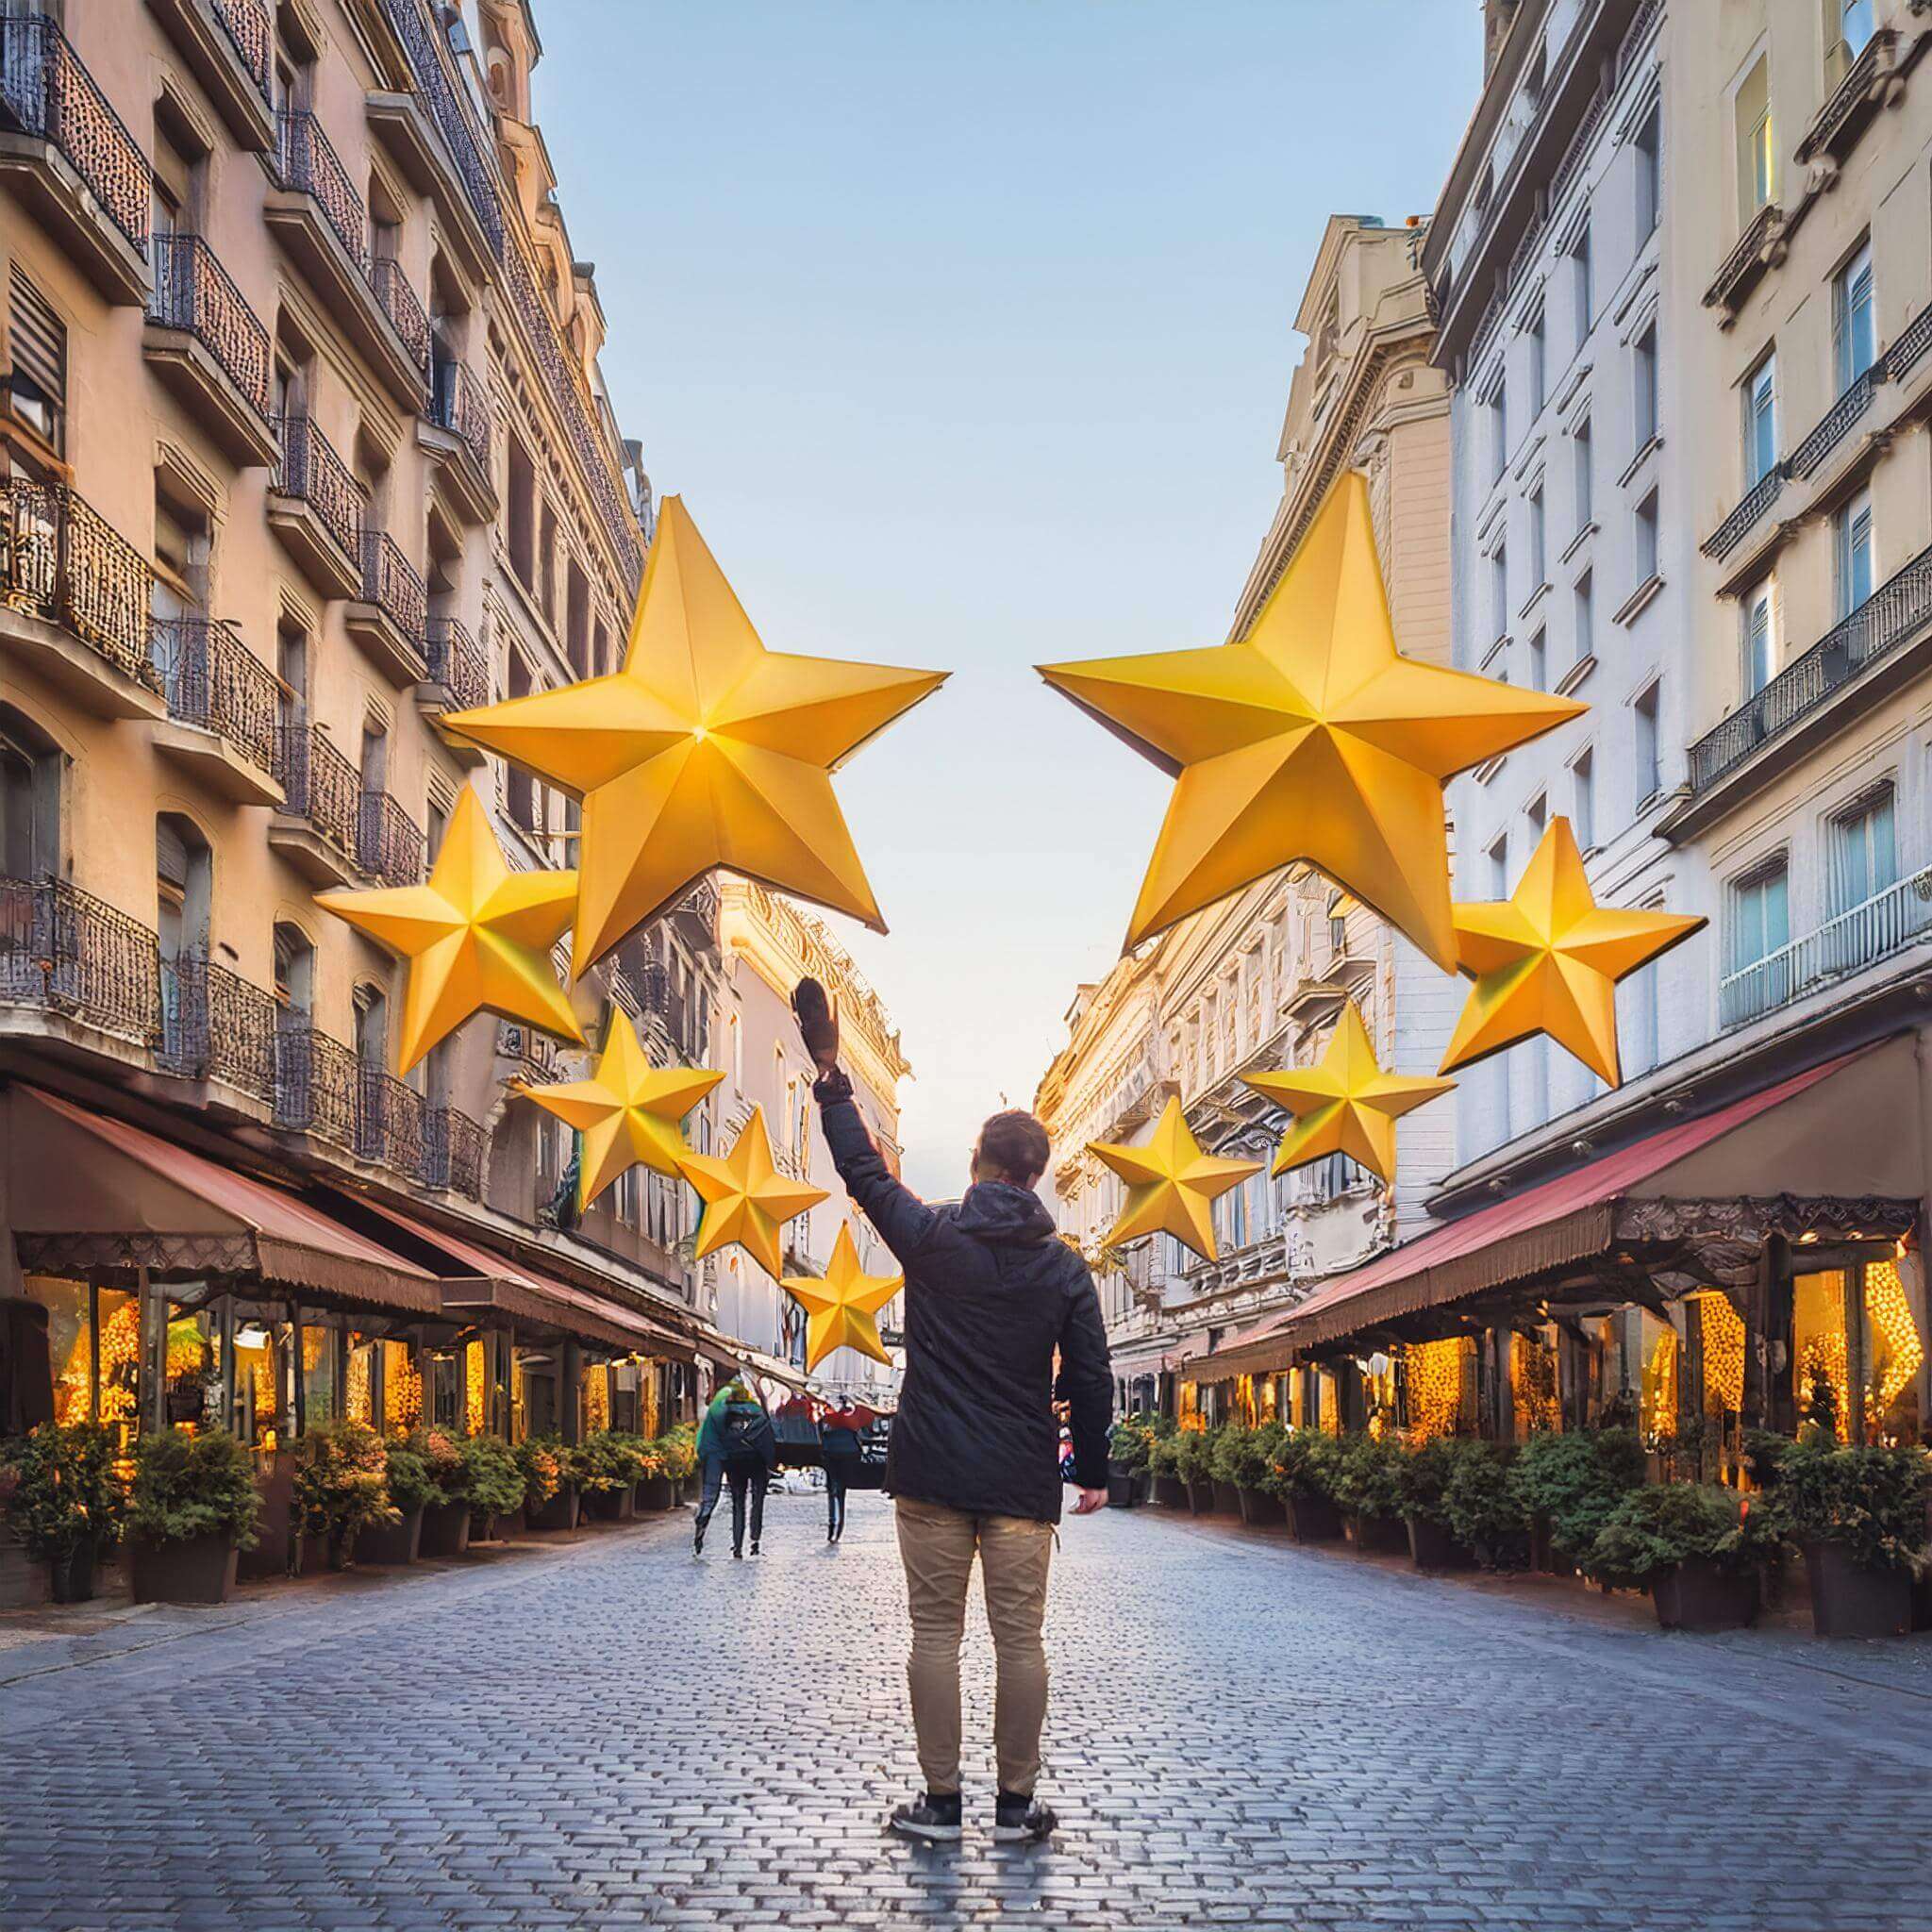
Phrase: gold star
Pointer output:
(842, 1309)
(704, 750)
(1346, 1105)
(746, 1199)
(1548, 960)
(477, 936)
(1310, 738)
(629, 1113)
(1171, 1185)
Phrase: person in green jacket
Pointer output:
(736, 1445)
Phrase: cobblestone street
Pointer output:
(610, 1735)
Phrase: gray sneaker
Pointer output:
(1022, 1820)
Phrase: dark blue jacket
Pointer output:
(992, 1294)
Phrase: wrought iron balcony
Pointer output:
(423, 42)
(1857, 98)
(459, 404)
(62, 562)
(328, 506)
(216, 1026)
(213, 680)
(1838, 422)
(1854, 939)
(247, 23)
(388, 845)
(400, 304)
(63, 951)
(1894, 613)
(1752, 508)
(320, 785)
(228, 45)
(317, 1090)
(306, 163)
(393, 585)
(1747, 260)
(388, 1121)
(47, 96)
(1913, 340)
(458, 663)
(454, 1150)
(193, 293)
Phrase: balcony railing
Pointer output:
(1750, 511)
(1912, 343)
(1891, 617)
(404, 311)
(316, 1089)
(306, 164)
(212, 679)
(458, 663)
(319, 784)
(457, 403)
(64, 951)
(393, 585)
(1747, 255)
(214, 1025)
(193, 291)
(62, 562)
(47, 92)
(1838, 422)
(388, 843)
(312, 469)
(1856, 90)
(1852, 940)
(247, 23)
(389, 1120)
(454, 1152)
(467, 146)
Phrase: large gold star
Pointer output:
(630, 1113)
(1171, 1185)
(477, 936)
(1548, 960)
(842, 1308)
(704, 750)
(746, 1199)
(1310, 738)
(1346, 1105)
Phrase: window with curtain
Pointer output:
(1760, 422)
(1852, 552)
(1854, 325)
(1761, 915)
(1864, 851)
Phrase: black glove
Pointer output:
(818, 1023)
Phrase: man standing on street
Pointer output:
(992, 1295)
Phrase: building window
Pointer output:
(1533, 332)
(1761, 637)
(1854, 329)
(1760, 422)
(1847, 28)
(1637, 1047)
(1499, 589)
(1538, 812)
(1648, 147)
(1760, 916)
(1646, 536)
(1851, 550)
(1537, 575)
(1864, 851)
(1757, 149)
(29, 798)
(1644, 387)
(1584, 598)
(1499, 867)
(1496, 406)
(1585, 293)
(1539, 661)
(521, 516)
(1649, 773)
(1583, 799)
(1579, 472)
(37, 384)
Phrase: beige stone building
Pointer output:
(1257, 980)
(303, 443)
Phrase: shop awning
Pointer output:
(482, 1280)
(1835, 1146)
(85, 1191)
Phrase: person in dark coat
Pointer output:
(736, 1446)
(839, 1445)
(993, 1298)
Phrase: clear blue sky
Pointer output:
(965, 331)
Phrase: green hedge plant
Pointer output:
(491, 1481)
(1307, 1463)
(1481, 1506)
(1129, 1442)
(1245, 1457)
(1576, 1480)
(1426, 1471)
(63, 1488)
(1870, 1500)
(1654, 1529)
(409, 1478)
(341, 1481)
(1194, 1458)
(192, 1484)
(1369, 1479)
(611, 1459)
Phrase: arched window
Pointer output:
(294, 972)
(30, 769)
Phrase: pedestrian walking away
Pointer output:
(992, 1296)
(839, 1445)
(736, 1447)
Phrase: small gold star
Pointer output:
(746, 1199)
(842, 1308)
(1171, 1185)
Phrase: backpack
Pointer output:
(746, 1431)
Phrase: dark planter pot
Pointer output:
(613, 1505)
(1542, 1558)
(1433, 1547)
(1311, 1518)
(445, 1530)
(1848, 1600)
(1144, 1485)
(1509, 1552)
(1377, 1535)
(560, 1512)
(1699, 1595)
(656, 1492)
(1259, 1511)
(187, 1570)
(391, 1543)
(70, 1573)
(1171, 1491)
(317, 1551)
(690, 1490)
(1200, 1498)
(1227, 1501)
(1123, 1489)
(277, 1527)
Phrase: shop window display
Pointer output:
(1821, 1366)
(1436, 1377)
(94, 1349)
(445, 1388)
(402, 1387)
(1896, 1351)
(264, 1359)
(596, 1397)
(476, 1385)
(1533, 1386)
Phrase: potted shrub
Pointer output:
(341, 1486)
(492, 1490)
(677, 1455)
(1692, 1547)
(610, 1464)
(1127, 1446)
(1163, 1471)
(1246, 1458)
(412, 1487)
(1483, 1514)
(1368, 1485)
(1226, 1503)
(192, 1507)
(664, 1471)
(444, 1529)
(1569, 1485)
(550, 1489)
(1859, 1516)
(1302, 1476)
(67, 1502)
(1192, 1464)
(1425, 1472)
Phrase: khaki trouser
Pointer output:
(937, 1545)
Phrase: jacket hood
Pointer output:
(998, 1212)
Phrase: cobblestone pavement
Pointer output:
(610, 1735)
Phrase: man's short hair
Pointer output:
(1015, 1143)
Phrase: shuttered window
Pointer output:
(37, 343)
